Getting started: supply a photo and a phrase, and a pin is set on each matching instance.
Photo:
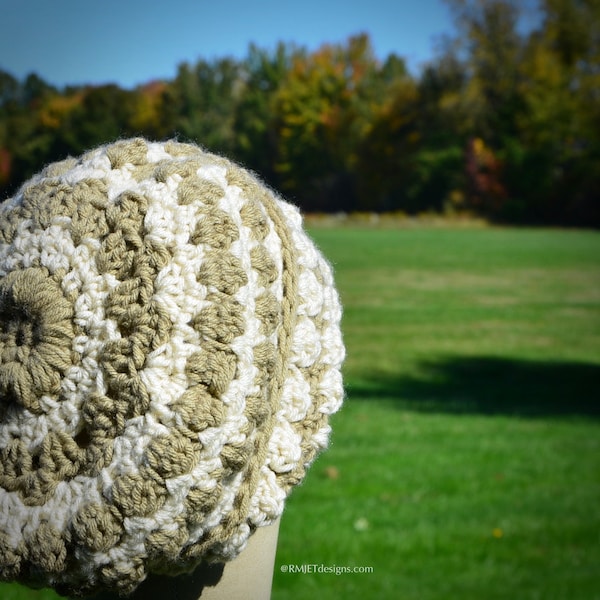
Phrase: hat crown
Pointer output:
(169, 354)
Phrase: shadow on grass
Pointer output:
(487, 385)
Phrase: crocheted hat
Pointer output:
(170, 352)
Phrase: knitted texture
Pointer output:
(170, 351)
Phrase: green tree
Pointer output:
(199, 104)
(533, 146)
(571, 30)
(387, 153)
(10, 89)
(22, 150)
(148, 110)
(488, 30)
(255, 121)
(323, 109)
(103, 114)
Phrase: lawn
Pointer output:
(466, 460)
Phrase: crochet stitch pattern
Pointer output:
(170, 351)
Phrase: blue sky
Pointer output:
(133, 41)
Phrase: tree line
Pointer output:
(501, 123)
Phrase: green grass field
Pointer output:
(466, 461)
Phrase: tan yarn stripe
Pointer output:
(289, 310)
(239, 512)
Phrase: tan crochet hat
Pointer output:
(170, 351)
